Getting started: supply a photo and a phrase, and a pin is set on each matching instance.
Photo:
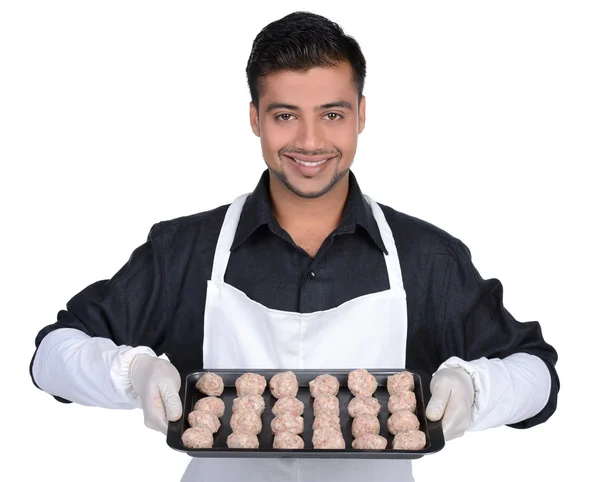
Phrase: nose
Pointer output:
(310, 136)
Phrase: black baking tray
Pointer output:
(190, 395)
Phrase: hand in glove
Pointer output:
(452, 397)
(157, 382)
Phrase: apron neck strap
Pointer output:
(392, 261)
(228, 230)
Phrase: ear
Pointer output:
(362, 114)
(254, 120)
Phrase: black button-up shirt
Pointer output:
(157, 298)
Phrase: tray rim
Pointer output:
(173, 439)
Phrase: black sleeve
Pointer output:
(477, 324)
(129, 308)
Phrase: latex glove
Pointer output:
(452, 398)
(157, 382)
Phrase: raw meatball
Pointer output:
(327, 420)
(363, 406)
(246, 421)
(402, 421)
(287, 440)
(214, 405)
(250, 384)
(326, 404)
(200, 418)
(403, 400)
(287, 423)
(197, 438)
(328, 438)
(361, 383)
(210, 384)
(409, 440)
(324, 385)
(284, 384)
(370, 441)
(364, 424)
(242, 440)
(288, 405)
(252, 402)
(400, 382)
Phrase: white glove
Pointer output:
(157, 382)
(452, 398)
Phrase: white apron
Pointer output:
(239, 333)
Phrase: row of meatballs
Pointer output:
(288, 423)
(364, 408)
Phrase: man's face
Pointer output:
(308, 125)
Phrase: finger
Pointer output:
(172, 402)
(164, 426)
(449, 428)
(158, 422)
(440, 394)
(456, 418)
(453, 428)
(154, 414)
(161, 425)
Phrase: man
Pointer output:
(304, 257)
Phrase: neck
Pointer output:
(322, 214)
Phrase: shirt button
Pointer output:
(311, 275)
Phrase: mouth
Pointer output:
(310, 163)
(309, 166)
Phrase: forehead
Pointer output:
(318, 85)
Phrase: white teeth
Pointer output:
(305, 163)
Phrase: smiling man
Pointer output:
(304, 272)
(309, 123)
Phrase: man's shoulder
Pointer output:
(414, 233)
(207, 222)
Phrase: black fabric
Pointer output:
(157, 298)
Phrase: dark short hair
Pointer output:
(298, 42)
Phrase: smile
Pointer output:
(307, 163)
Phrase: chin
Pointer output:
(310, 190)
(309, 194)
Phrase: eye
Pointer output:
(334, 116)
(283, 117)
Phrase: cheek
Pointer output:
(344, 138)
(274, 138)
(266, 140)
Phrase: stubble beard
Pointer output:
(337, 176)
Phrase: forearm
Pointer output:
(507, 390)
(86, 370)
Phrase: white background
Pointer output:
(482, 118)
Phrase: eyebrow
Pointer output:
(279, 105)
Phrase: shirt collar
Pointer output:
(258, 211)
(358, 212)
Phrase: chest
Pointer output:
(310, 240)
(310, 244)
